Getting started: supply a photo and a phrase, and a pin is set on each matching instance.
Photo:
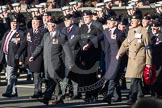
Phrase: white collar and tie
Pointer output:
(52, 34)
(89, 27)
(69, 28)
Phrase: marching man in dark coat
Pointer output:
(112, 39)
(52, 44)
(10, 43)
(156, 38)
(88, 60)
(71, 30)
(33, 39)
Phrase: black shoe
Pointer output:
(131, 102)
(45, 101)
(76, 97)
(87, 100)
(117, 100)
(9, 95)
(29, 77)
(36, 96)
(94, 99)
(54, 102)
(107, 100)
(14, 95)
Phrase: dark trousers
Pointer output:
(50, 89)
(90, 80)
(114, 86)
(37, 83)
(135, 89)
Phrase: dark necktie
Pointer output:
(110, 31)
(68, 29)
(153, 39)
(89, 28)
(35, 31)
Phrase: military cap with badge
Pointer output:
(135, 16)
(155, 30)
(52, 20)
(155, 24)
(123, 21)
(13, 19)
(68, 16)
(37, 18)
(146, 18)
(113, 18)
(87, 12)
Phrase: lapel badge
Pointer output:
(72, 37)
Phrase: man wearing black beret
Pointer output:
(88, 31)
(156, 38)
(52, 45)
(138, 45)
(33, 39)
(11, 42)
(71, 30)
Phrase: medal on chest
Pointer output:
(72, 37)
(55, 41)
(138, 36)
(17, 39)
(157, 41)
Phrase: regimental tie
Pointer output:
(110, 32)
(51, 34)
(35, 31)
(68, 29)
(5, 48)
(89, 28)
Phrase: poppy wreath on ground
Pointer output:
(149, 75)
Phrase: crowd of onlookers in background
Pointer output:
(86, 3)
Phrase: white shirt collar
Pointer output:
(89, 24)
(53, 33)
(112, 29)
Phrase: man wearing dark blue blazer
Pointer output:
(71, 30)
(10, 43)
